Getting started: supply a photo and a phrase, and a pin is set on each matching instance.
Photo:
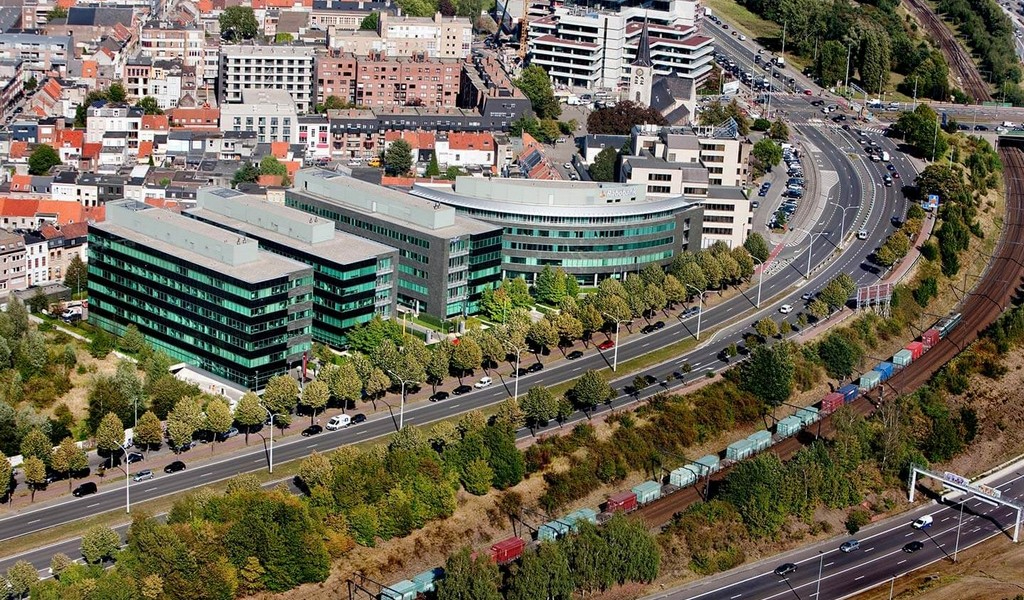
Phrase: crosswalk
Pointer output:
(822, 123)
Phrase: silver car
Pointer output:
(143, 475)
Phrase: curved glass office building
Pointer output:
(590, 230)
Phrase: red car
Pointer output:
(808, 92)
(608, 345)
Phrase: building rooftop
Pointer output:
(432, 218)
(200, 244)
(268, 50)
(290, 227)
(253, 100)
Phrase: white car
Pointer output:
(862, 234)
(337, 422)
(484, 382)
(786, 309)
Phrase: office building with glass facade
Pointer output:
(353, 276)
(590, 230)
(445, 261)
(202, 294)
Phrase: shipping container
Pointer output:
(850, 392)
(552, 530)
(624, 501)
(885, 369)
(808, 415)
(903, 358)
(739, 450)
(507, 550)
(790, 425)
(760, 440)
(648, 491)
(916, 348)
(870, 381)
(427, 580)
(930, 338)
(584, 514)
(708, 464)
(832, 401)
(682, 477)
(403, 590)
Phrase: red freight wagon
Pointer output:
(832, 401)
(507, 550)
(624, 501)
(930, 338)
(916, 349)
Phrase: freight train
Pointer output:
(511, 549)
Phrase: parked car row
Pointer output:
(794, 188)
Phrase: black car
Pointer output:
(650, 379)
(359, 418)
(691, 312)
(312, 430)
(980, 128)
(462, 389)
(658, 325)
(439, 396)
(785, 569)
(535, 367)
(174, 467)
(518, 372)
(135, 457)
(647, 329)
(84, 490)
(111, 461)
(911, 547)
(575, 354)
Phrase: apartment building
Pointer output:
(353, 277)
(267, 67)
(270, 114)
(11, 84)
(594, 46)
(13, 276)
(434, 37)
(162, 79)
(42, 54)
(444, 260)
(169, 41)
(380, 81)
(202, 294)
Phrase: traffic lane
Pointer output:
(878, 543)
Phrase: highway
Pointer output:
(880, 558)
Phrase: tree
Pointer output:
(346, 386)
(42, 159)
(218, 417)
(920, 129)
(767, 328)
(284, 38)
(539, 406)
(831, 63)
(778, 131)
(35, 474)
(715, 113)
(116, 93)
(315, 397)
(536, 85)
(603, 167)
(281, 394)
(757, 246)
(99, 543)
(184, 421)
(58, 563)
(837, 291)
(5, 475)
(250, 576)
(149, 106)
(542, 334)
(57, 12)
(590, 390)
(569, 328)
(370, 22)
(37, 444)
(768, 374)
(839, 354)
(439, 364)
(620, 119)
(469, 578)
(818, 308)
(249, 413)
(238, 23)
(110, 434)
(477, 477)
(398, 158)
(433, 169)
(68, 458)
(39, 301)
(247, 173)
(149, 432)
(269, 165)
(466, 356)
(315, 470)
(21, 577)
(132, 341)
(506, 461)
(767, 152)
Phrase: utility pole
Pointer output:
(846, 84)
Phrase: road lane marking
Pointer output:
(858, 578)
(93, 505)
(207, 474)
(31, 522)
(870, 549)
(829, 564)
(311, 446)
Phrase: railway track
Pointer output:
(957, 56)
(980, 308)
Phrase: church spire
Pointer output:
(643, 49)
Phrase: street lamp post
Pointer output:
(810, 247)
(842, 222)
(401, 410)
(760, 278)
(821, 565)
(272, 415)
(615, 352)
(700, 304)
(127, 482)
(959, 523)
(518, 351)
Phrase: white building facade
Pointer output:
(255, 67)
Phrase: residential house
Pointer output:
(12, 257)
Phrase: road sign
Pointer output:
(957, 479)
(931, 203)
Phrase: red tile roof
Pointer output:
(157, 122)
(21, 183)
(145, 149)
(419, 140)
(91, 150)
(19, 149)
(279, 149)
(68, 212)
(471, 141)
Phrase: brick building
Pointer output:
(380, 81)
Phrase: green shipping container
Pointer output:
(870, 381)
(708, 464)
(584, 514)
(789, 426)
(808, 415)
(760, 439)
(403, 590)
(552, 530)
(902, 358)
(647, 491)
(427, 580)
(682, 477)
(739, 450)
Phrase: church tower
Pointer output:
(642, 74)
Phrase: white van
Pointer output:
(338, 421)
(922, 523)
(484, 382)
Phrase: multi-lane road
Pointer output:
(880, 558)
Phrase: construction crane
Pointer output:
(501, 22)
(522, 34)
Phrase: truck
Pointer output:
(876, 103)
(780, 62)
(885, 157)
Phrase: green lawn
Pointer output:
(744, 20)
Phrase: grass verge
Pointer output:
(744, 20)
